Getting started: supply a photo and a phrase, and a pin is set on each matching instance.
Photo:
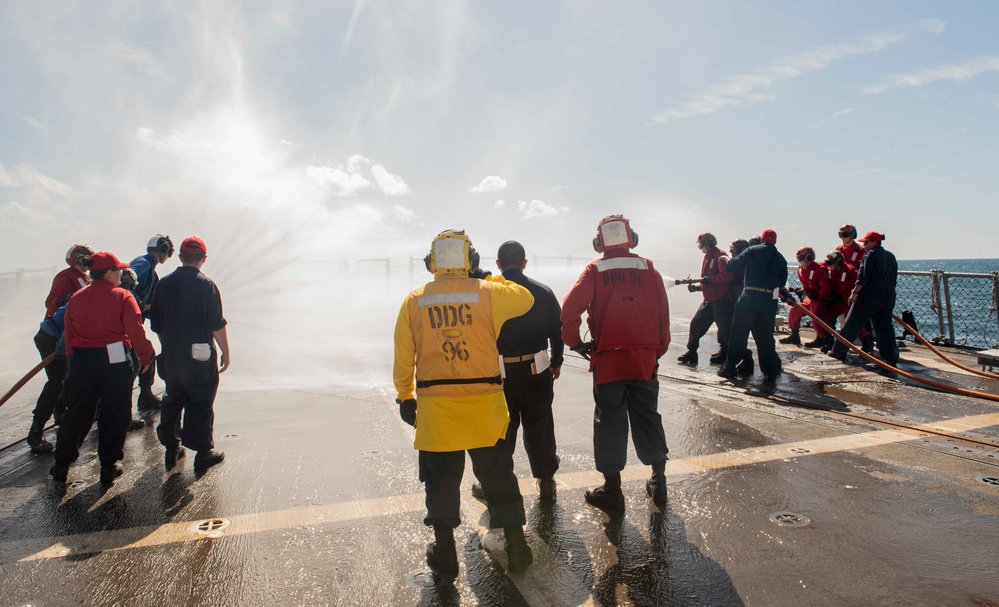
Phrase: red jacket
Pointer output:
(853, 253)
(843, 281)
(64, 284)
(103, 314)
(627, 315)
(717, 286)
(815, 279)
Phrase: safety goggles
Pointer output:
(845, 233)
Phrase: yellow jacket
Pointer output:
(445, 335)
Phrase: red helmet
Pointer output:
(847, 230)
(614, 232)
(707, 240)
(805, 254)
(834, 258)
(79, 254)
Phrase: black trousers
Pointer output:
(146, 379)
(441, 472)
(91, 379)
(754, 313)
(529, 399)
(616, 404)
(718, 312)
(50, 399)
(191, 387)
(874, 308)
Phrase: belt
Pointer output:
(450, 382)
(758, 289)
(518, 359)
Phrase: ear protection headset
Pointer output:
(805, 254)
(610, 236)
(79, 254)
(161, 244)
(835, 258)
(707, 240)
(128, 279)
(847, 230)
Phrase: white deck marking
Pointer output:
(242, 524)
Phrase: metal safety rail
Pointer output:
(960, 307)
(21, 287)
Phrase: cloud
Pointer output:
(500, 204)
(948, 134)
(834, 116)
(957, 72)
(26, 176)
(559, 188)
(489, 184)
(143, 60)
(859, 172)
(403, 215)
(536, 208)
(351, 26)
(390, 184)
(35, 124)
(16, 212)
(342, 182)
(744, 89)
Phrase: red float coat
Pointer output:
(843, 281)
(852, 253)
(103, 314)
(64, 284)
(815, 279)
(716, 285)
(627, 315)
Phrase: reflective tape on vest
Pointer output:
(636, 263)
(446, 298)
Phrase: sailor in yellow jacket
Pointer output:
(446, 359)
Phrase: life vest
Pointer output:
(452, 323)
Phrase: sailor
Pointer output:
(756, 309)
(852, 251)
(158, 250)
(873, 299)
(50, 401)
(103, 323)
(628, 317)
(843, 277)
(815, 293)
(70, 280)
(447, 376)
(739, 245)
(529, 372)
(715, 287)
(186, 313)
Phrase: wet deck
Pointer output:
(837, 486)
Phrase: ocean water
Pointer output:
(966, 315)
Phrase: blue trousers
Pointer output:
(616, 404)
(754, 313)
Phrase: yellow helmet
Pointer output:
(451, 252)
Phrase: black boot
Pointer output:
(745, 366)
(818, 342)
(718, 357)
(110, 471)
(608, 496)
(830, 342)
(867, 344)
(518, 554)
(442, 557)
(656, 486)
(793, 338)
(148, 401)
(688, 358)
(36, 441)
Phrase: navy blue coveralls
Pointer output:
(186, 310)
(529, 396)
(756, 308)
(875, 302)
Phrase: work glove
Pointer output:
(693, 288)
(478, 273)
(583, 349)
(813, 295)
(799, 292)
(786, 296)
(705, 280)
(407, 410)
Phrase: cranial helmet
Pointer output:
(128, 279)
(707, 240)
(738, 246)
(451, 252)
(805, 254)
(162, 244)
(614, 232)
(79, 254)
(835, 258)
(847, 230)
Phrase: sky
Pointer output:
(306, 132)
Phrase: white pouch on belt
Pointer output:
(116, 352)
(201, 352)
(777, 293)
(541, 362)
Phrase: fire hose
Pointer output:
(886, 366)
(26, 378)
(939, 353)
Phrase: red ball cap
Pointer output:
(769, 236)
(105, 261)
(873, 237)
(194, 245)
